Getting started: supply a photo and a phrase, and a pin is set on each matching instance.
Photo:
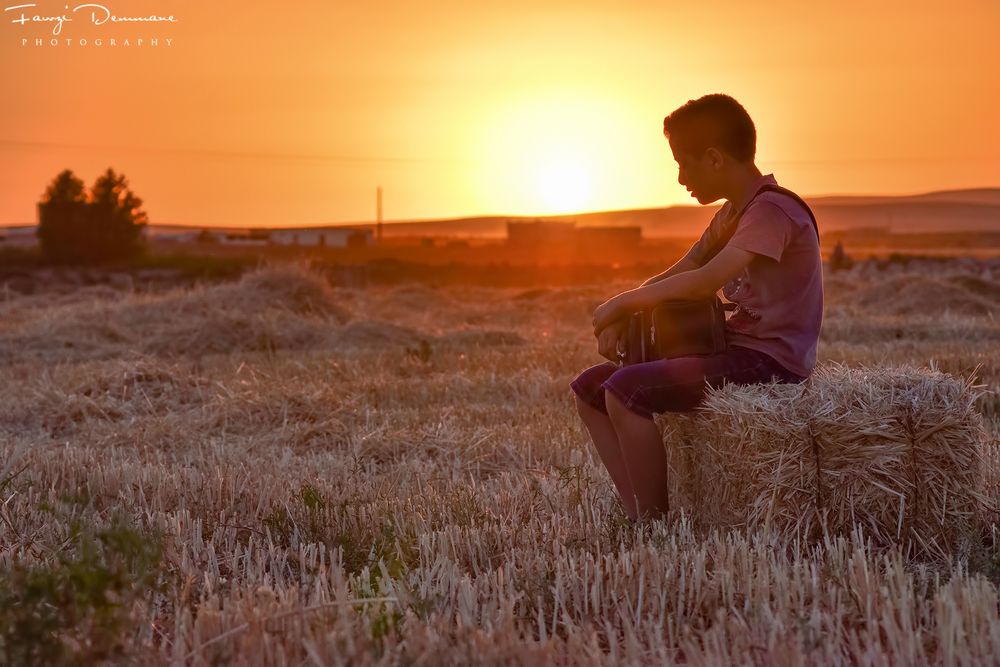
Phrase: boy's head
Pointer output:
(710, 137)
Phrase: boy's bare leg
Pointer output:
(602, 431)
(645, 460)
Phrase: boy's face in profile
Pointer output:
(698, 173)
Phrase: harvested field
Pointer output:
(277, 470)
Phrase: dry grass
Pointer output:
(337, 476)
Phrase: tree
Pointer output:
(107, 225)
(61, 215)
(116, 219)
(840, 260)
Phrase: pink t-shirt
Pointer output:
(780, 293)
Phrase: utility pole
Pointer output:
(378, 213)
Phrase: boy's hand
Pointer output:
(607, 339)
(616, 307)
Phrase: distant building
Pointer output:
(248, 237)
(547, 232)
(23, 235)
(339, 237)
(185, 237)
(604, 236)
(257, 236)
(539, 231)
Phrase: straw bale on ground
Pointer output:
(916, 294)
(978, 285)
(275, 307)
(63, 399)
(900, 451)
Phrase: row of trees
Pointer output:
(102, 225)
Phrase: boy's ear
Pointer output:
(714, 157)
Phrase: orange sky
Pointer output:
(271, 113)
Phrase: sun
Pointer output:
(553, 152)
(563, 185)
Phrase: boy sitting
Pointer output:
(770, 268)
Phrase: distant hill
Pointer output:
(946, 211)
(987, 196)
(968, 210)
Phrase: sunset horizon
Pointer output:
(994, 189)
(293, 116)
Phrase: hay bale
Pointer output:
(61, 399)
(276, 307)
(978, 285)
(920, 295)
(296, 288)
(900, 451)
(839, 289)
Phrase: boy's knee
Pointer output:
(586, 410)
(619, 412)
(615, 404)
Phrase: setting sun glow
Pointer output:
(564, 186)
(294, 114)
(557, 152)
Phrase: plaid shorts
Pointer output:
(676, 385)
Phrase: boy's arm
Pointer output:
(691, 259)
(685, 263)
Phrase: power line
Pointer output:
(237, 154)
(888, 159)
(360, 159)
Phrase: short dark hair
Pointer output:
(713, 120)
